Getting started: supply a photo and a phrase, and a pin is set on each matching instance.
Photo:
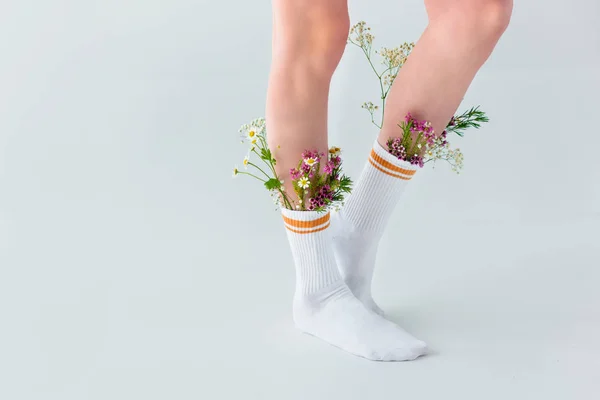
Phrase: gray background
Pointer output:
(133, 266)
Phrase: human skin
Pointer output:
(459, 38)
(309, 38)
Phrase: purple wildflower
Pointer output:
(329, 167)
(417, 160)
(295, 174)
(336, 160)
(396, 148)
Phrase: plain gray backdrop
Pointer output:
(133, 266)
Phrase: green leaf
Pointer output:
(265, 154)
(272, 184)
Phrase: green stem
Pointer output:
(252, 175)
(416, 143)
(259, 168)
(371, 63)
(382, 90)
(265, 161)
(286, 201)
(373, 121)
(383, 97)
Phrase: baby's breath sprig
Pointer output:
(392, 58)
(371, 108)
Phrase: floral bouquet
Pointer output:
(319, 190)
(318, 181)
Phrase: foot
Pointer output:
(355, 255)
(336, 316)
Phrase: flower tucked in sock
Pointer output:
(360, 224)
(324, 306)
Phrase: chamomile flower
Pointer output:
(235, 171)
(252, 135)
(303, 183)
(334, 151)
(310, 161)
(246, 161)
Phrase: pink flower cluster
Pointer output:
(295, 174)
(333, 163)
(417, 160)
(422, 129)
(321, 198)
(310, 165)
(396, 148)
(314, 183)
(418, 136)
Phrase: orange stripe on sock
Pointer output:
(391, 166)
(388, 173)
(306, 224)
(313, 231)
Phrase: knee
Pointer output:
(475, 20)
(314, 42)
(492, 17)
(328, 43)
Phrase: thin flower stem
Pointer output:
(370, 62)
(265, 161)
(252, 175)
(373, 121)
(285, 199)
(416, 143)
(269, 163)
(259, 168)
(383, 97)
(266, 146)
(383, 91)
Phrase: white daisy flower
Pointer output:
(303, 183)
(252, 135)
(310, 161)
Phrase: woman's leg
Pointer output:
(309, 37)
(459, 38)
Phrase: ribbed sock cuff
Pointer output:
(303, 222)
(388, 164)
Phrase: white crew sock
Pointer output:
(325, 307)
(360, 224)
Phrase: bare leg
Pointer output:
(459, 38)
(309, 38)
